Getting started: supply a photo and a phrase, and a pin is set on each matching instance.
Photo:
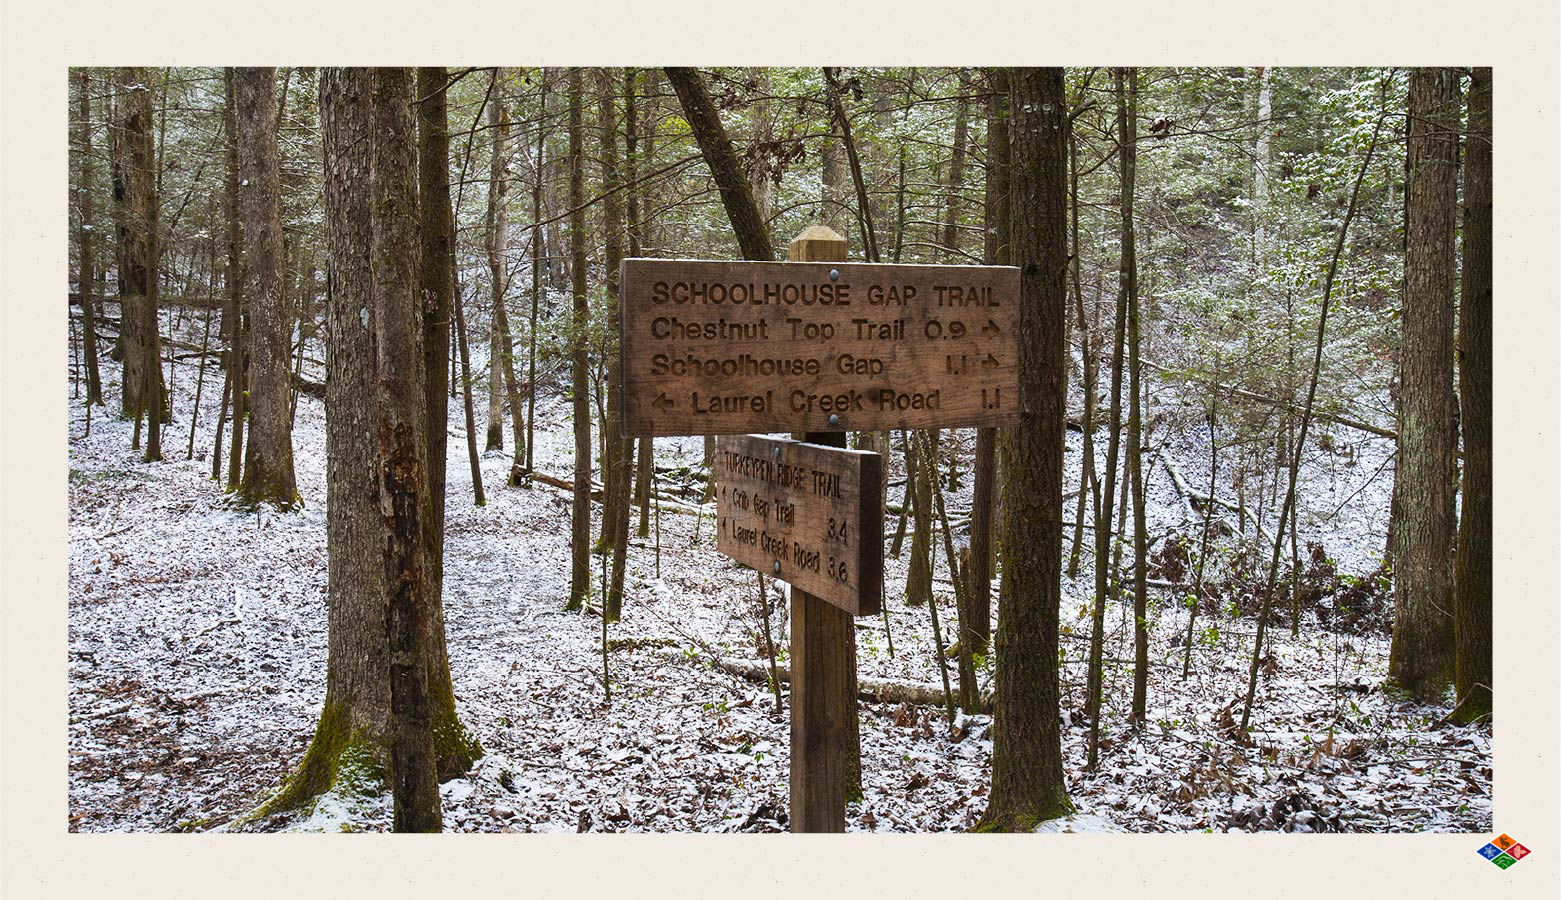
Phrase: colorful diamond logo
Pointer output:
(1504, 851)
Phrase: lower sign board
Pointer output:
(807, 514)
(714, 347)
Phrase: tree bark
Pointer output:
(1027, 777)
(1127, 124)
(633, 109)
(864, 207)
(918, 491)
(537, 235)
(1472, 570)
(268, 462)
(956, 180)
(580, 374)
(1421, 656)
(497, 245)
(86, 237)
(1088, 483)
(401, 445)
(753, 235)
(615, 462)
(996, 253)
(437, 265)
(832, 178)
(375, 397)
(233, 316)
(759, 148)
(464, 350)
(136, 192)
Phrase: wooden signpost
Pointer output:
(818, 347)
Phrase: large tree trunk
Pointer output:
(268, 463)
(615, 462)
(1027, 778)
(864, 206)
(1472, 573)
(233, 316)
(86, 238)
(401, 432)
(1421, 657)
(995, 252)
(638, 228)
(438, 282)
(580, 364)
(498, 330)
(753, 235)
(370, 209)
(135, 191)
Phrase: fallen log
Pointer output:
(1287, 405)
(313, 388)
(667, 503)
(877, 690)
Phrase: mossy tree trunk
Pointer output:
(350, 749)
(401, 438)
(437, 274)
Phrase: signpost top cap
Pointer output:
(817, 243)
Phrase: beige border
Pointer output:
(39, 39)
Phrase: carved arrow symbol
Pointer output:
(991, 327)
(661, 401)
(990, 361)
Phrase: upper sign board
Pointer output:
(739, 347)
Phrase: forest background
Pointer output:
(1538, 627)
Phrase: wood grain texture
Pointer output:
(715, 347)
(806, 514)
(823, 713)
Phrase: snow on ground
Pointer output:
(198, 642)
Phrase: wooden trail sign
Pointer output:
(806, 514)
(713, 347)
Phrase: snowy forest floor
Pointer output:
(198, 642)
